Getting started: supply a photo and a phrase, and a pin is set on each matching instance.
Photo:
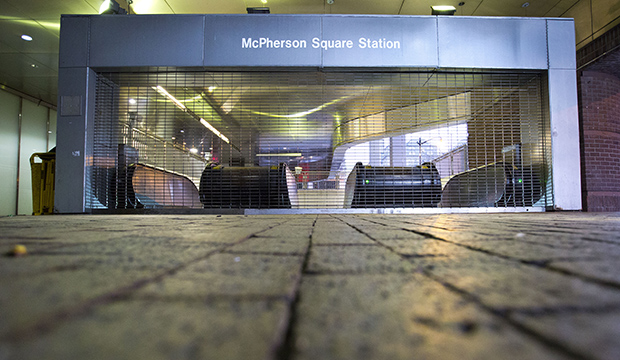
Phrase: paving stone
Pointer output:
(145, 253)
(592, 334)
(419, 248)
(26, 300)
(355, 259)
(525, 248)
(607, 270)
(331, 231)
(378, 232)
(242, 275)
(294, 244)
(501, 283)
(162, 330)
(289, 231)
(340, 317)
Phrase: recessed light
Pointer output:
(26, 37)
(34, 66)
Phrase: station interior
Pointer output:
(320, 139)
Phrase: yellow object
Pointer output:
(19, 250)
(43, 182)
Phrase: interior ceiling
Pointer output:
(32, 67)
(299, 111)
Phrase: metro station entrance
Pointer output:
(316, 114)
(414, 139)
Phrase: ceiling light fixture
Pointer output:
(180, 105)
(281, 155)
(165, 93)
(26, 37)
(443, 10)
(258, 10)
(206, 124)
(111, 7)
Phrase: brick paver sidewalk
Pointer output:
(475, 286)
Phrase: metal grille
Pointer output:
(319, 139)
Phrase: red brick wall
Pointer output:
(600, 160)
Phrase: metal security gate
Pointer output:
(299, 140)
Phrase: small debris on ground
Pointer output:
(18, 250)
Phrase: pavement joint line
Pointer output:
(343, 244)
(286, 347)
(419, 256)
(211, 298)
(541, 264)
(561, 310)
(498, 313)
(569, 231)
(353, 272)
(263, 253)
(504, 315)
(57, 318)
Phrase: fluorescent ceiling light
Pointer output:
(165, 93)
(281, 154)
(206, 124)
(443, 10)
(300, 114)
(180, 105)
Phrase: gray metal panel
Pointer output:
(224, 36)
(74, 139)
(401, 41)
(561, 37)
(503, 43)
(146, 40)
(565, 139)
(73, 50)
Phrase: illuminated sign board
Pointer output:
(320, 41)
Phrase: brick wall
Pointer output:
(600, 124)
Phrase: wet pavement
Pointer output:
(447, 286)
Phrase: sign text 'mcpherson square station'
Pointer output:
(362, 43)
